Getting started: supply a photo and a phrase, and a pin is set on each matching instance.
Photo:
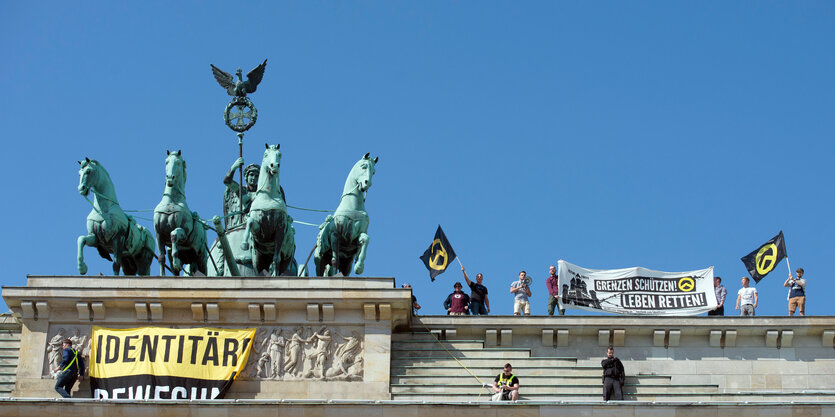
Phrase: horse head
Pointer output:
(87, 176)
(175, 171)
(270, 165)
(272, 159)
(362, 172)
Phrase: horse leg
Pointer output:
(345, 265)
(202, 263)
(177, 237)
(161, 257)
(360, 265)
(280, 230)
(333, 267)
(89, 240)
(245, 238)
(248, 241)
(320, 253)
(117, 254)
(146, 257)
(318, 261)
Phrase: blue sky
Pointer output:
(673, 136)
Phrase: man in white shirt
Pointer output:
(522, 292)
(746, 298)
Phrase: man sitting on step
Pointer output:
(507, 384)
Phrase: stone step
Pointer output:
(486, 353)
(10, 344)
(454, 370)
(555, 381)
(6, 376)
(449, 344)
(429, 338)
(693, 397)
(9, 336)
(12, 360)
(531, 389)
(492, 363)
(590, 397)
(417, 336)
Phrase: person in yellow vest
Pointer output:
(72, 368)
(507, 384)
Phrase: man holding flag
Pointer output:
(759, 263)
(797, 292)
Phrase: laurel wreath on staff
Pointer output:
(240, 101)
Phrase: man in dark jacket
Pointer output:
(457, 303)
(72, 368)
(613, 376)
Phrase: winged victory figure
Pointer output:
(239, 88)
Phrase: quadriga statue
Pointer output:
(109, 229)
(344, 235)
(176, 226)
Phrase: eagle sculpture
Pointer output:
(239, 88)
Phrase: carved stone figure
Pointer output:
(109, 229)
(347, 360)
(343, 237)
(81, 343)
(321, 348)
(254, 367)
(294, 353)
(268, 224)
(323, 355)
(176, 225)
(54, 348)
(270, 361)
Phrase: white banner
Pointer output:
(637, 290)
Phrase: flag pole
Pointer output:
(458, 258)
(789, 265)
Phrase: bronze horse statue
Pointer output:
(176, 226)
(269, 233)
(109, 229)
(344, 236)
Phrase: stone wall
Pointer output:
(344, 329)
(245, 408)
(765, 355)
(317, 338)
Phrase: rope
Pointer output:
(94, 206)
(202, 220)
(306, 223)
(307, 209)
(453, 357)
(143, 218)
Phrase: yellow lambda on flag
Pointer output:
(163, 363)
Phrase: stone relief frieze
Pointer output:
(281, 353)
(81, 342)
(278, 353)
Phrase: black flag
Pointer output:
(763, 259)
(439, 255)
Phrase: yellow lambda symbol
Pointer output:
(686, 284)
(766, 258)
(439, 259)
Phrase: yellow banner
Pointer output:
(200, 353)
